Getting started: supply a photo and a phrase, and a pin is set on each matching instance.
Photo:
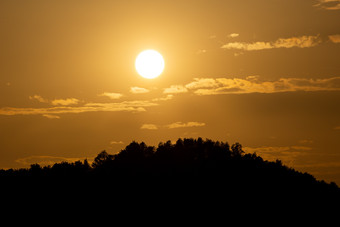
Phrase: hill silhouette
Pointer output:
(187, 166)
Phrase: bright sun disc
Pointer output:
(149, 64)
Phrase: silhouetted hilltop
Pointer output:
(189, 164)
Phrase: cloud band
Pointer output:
(301, 42)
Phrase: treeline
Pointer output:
(196, 162)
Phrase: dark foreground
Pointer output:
(189, 170)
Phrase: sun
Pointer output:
(149, 64)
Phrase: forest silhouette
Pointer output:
(190, 165)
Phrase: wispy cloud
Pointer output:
(233, 35)
(38, 98)
(116, 142)
(287, 154)
(111, 95)
(168, 97)
(135, 106)
(64, 102)
(203, 83)
(175, 89)
(201, 51)
(49, 116)
(337, 128)
(212, 86)
(48, 160)
(301, 42)
(139, 90)
(185, 125)
(328, 4)
(174, 125)
(149, 126)
(334, 38)
(129, 106)
(306, 141)
(55, 102)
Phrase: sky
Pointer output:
(265, 73)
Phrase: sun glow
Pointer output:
(149, 64)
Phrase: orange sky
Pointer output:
(265, 73)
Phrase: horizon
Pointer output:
(262, 73)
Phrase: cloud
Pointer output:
(202, 83)
(149, 126)
(337, 128)
(301, 42)
(38, 98)
(320, 164)
(248, 46)
(129, 106)
(65, 102)
(185, 125)
(328, 4)
(46, 160)
(175, 89)
(174, 125)
(215, 86)
(56, 102)
(201, 51)
(116, 142)
(138, 90)
(306, 141)
(301, 148)
(49, 116)
(111, 95)
(287, 154)
(135, 106)
(334, 38)
(168, 97)
(233, 35)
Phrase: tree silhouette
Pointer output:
(201, 165)
(102, 159)
(237, 149)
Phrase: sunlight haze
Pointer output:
(260, 72)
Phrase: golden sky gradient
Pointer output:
(265, 73)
